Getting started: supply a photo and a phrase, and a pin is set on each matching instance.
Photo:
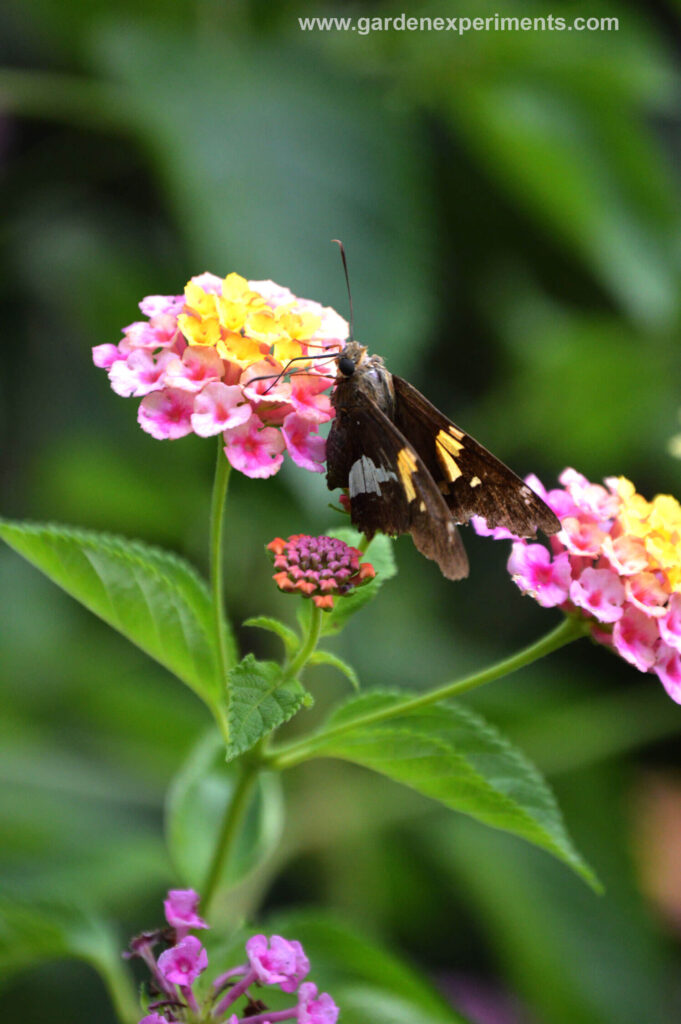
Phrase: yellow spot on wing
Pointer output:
(448, 443)
(447, 448)
(455, 432)
(406, 467)
(475, 481)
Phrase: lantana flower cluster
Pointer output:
(208, 362)
(616, 562)
(318, 567)
(231, 999)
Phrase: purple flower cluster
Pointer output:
(272, 961)
(318, 567)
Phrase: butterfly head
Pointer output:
(350, 358)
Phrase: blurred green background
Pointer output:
(510, 205)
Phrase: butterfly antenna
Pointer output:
(347, 281)
(276, 377)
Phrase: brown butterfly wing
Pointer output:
(471, 479)
(390, 488)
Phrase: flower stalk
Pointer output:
(234, 815)
(309, 643)
(569, 629)
(226, 651)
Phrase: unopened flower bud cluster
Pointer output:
(318, 567)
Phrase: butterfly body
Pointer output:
(408, 469)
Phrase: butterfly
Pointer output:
(408, 469)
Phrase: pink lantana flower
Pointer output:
(636, 636)
(496, 532)
(591, 499)
(668, 670)
(253, 449)
(277, 961)
(158, 305)
(627, 555)
(263, 386)
(599, 592)
(301, 968)
(140, 374)
(219, 407)
(225, 333)
(581, 538)
(314, 1008)
(166, 414)
(670, 623)
(558, 500)
(305, 446)
(308, 396)
(647, 593)
(183, 963)
(180, 908)
(616, 563)
(198, 367)
(159, 333)
(104, 356)
(547, 580)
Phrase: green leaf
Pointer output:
(289, 636)
(32, 932)
(552, 945)
(197, 799)
(451, 754)
(577, 165)
(152, 597)
(261, 698)
(326, 658)
(380, 553)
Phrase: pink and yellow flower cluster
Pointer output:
(616, 562)
(208, 362)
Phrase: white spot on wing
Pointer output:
(365, 477)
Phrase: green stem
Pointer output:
(229, 831)
(293, 754)
(257, 759)
(217, 585)
(309, 644)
